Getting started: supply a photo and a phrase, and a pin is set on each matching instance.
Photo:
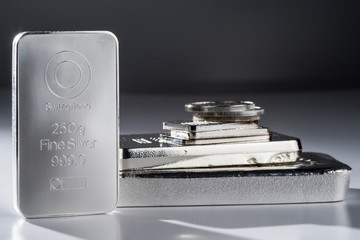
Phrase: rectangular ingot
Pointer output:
(65, 122)
(315, 177)
(142, 151)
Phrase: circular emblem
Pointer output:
(55, 184)
(68, 74)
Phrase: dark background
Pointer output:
(208, 46)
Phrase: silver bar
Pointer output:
(145, 151)
(226, 160)
(206, 126)
(65, 122)
(168, 139)
(185, 135)
(314, 178)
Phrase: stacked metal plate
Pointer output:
(203, 143)
(147, 151)
(216, 123)
(224, 157)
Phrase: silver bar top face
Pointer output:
(65, 122)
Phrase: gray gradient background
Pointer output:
(299, 60)
(208, 46)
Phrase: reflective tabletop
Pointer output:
(311, 117)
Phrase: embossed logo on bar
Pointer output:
(68, 74)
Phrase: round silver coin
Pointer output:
(257, 111)
(219, 106)
(225, 119)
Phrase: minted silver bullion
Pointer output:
(165, 138)
(150, 146)
(65, 119)
(318, 179)
(271, 159)
(257, 111)
(201, 126)
(219, 106)
(224, 119)
(219, 134)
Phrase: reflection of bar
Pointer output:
(314, 177)
(145, 151)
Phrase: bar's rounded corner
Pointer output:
(21, 211)
(20, 36)
(111, 207)
(111, 34)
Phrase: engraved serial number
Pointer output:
(68, 160)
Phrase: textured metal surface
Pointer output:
(65, 122)
(145, 151)
(317, 178)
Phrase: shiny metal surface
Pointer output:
(201, 126)
(256, 111)
(245, 159)
(219, 106)
(331, 221)
(167, 139)
(140, 151)
(228, 133)
(226, 119)
(225, 129)
(65, 122)
(316, 178)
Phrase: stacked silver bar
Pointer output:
(217, 122)
(203, 144)
(145, 152)
(212, 161)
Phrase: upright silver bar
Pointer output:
(65, 122)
